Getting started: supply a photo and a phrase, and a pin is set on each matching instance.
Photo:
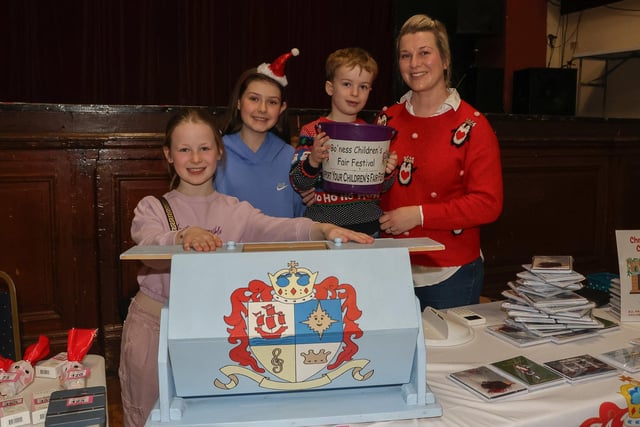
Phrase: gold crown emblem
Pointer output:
(630, 392)
(293, 283)
(312, 358)
(408, 159)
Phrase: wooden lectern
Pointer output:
(302, 333)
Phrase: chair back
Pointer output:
(9, 321)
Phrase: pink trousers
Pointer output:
(139, 364)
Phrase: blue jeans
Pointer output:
(463, 288)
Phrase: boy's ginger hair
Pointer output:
(350, 57)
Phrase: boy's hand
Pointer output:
(308, 196)
(392, 162)
(320, 149)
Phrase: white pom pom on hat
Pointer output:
(275, 70)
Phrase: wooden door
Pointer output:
(47, 224)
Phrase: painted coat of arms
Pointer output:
(294, 333)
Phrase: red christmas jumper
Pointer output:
(450, 165)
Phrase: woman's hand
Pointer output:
(198, 239)
(401, 220)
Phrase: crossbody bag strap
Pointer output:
(170, 217)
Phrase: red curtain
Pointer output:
(186, 52)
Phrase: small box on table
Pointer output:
(39, 405)
(14, 412)
(77, 408)
(52, 367)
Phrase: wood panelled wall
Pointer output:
(71, 175)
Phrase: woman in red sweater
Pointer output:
(449, 181)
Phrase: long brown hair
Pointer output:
(232, 122)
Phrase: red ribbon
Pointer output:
(5, 364)
(78, 343)
(37, 351)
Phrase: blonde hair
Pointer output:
(423, 23)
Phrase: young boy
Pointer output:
(350, 75)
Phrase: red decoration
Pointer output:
(37, 351)
(78, 343)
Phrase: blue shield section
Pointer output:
(319, 321)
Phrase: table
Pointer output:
(97, 378)
(562, 406)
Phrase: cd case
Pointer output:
(516, 336)
(626, 358)
(582, 368)
(552, 264)
(487, 383)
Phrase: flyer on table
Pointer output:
(628, 243)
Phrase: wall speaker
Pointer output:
(544, 91)
(482, 88)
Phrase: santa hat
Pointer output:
(275, 70)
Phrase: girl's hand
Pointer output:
(198, 239)
(320, 149)
(401, 220)
(332, 232)
(392, 162)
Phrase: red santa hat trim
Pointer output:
(275, 70)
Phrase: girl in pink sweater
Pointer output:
(204, 219)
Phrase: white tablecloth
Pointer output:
(564, 405)
(97, 378)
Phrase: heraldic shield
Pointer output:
(294, 329)
(294, 341)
